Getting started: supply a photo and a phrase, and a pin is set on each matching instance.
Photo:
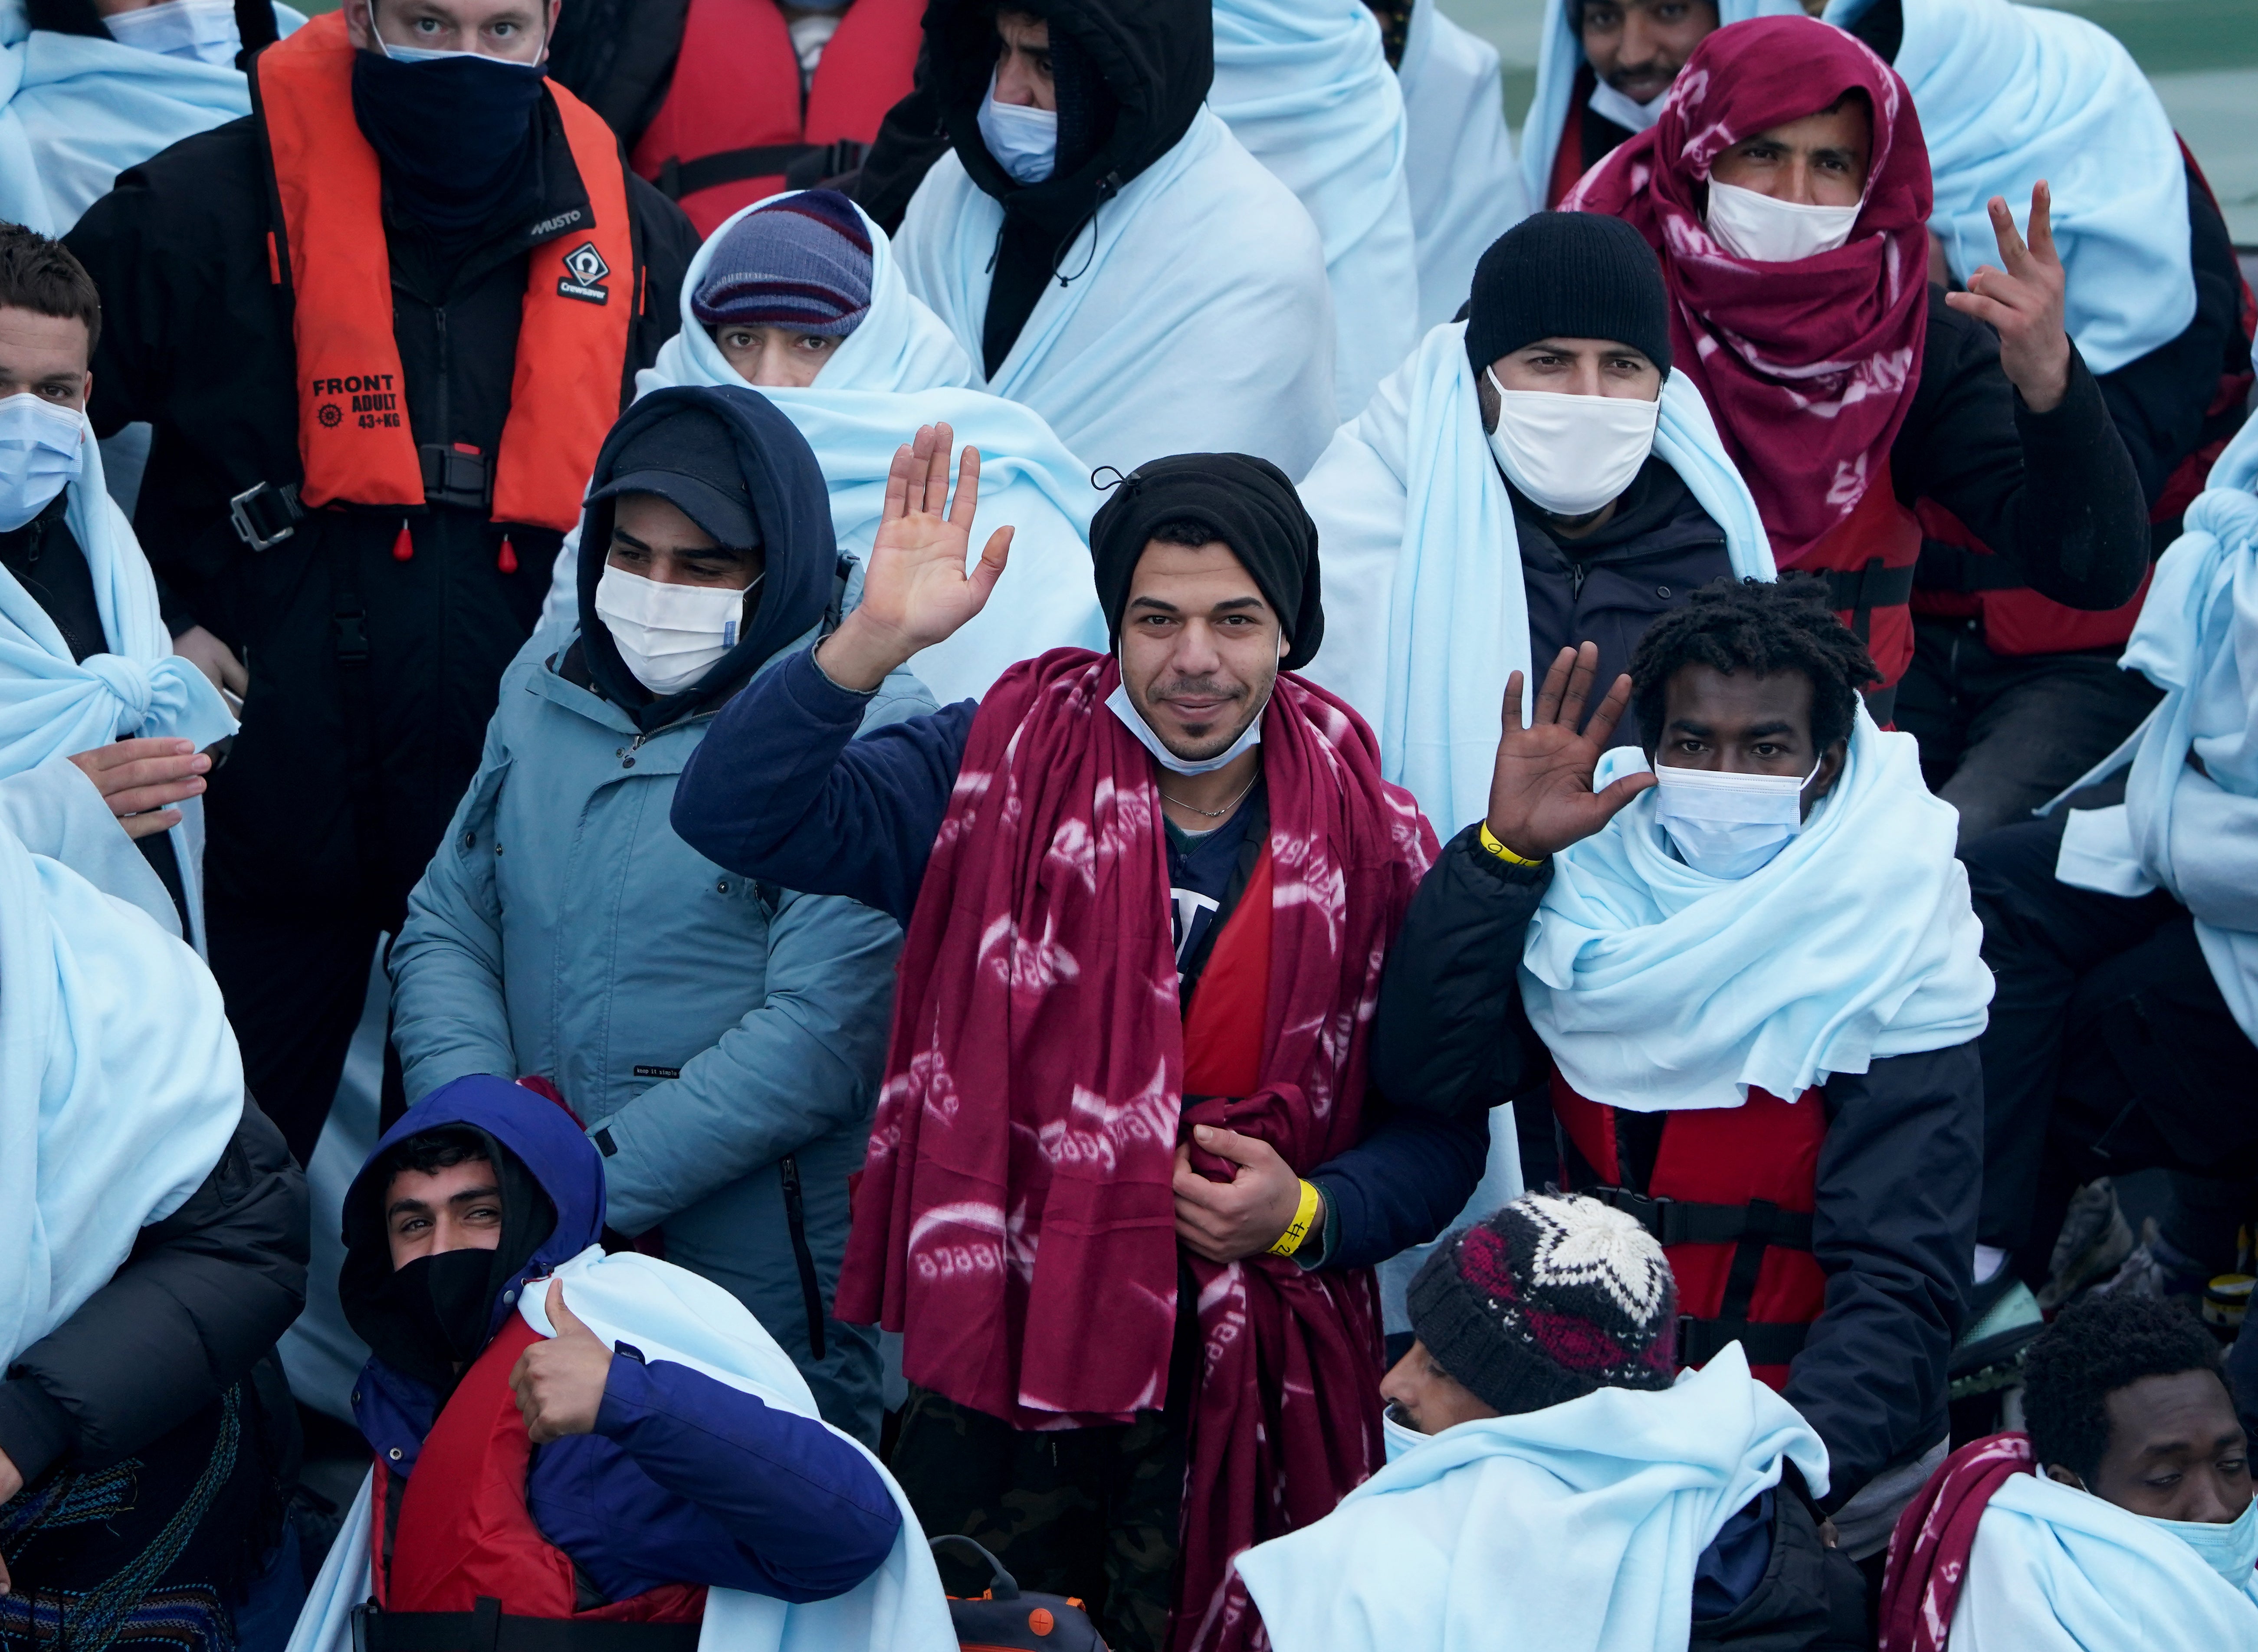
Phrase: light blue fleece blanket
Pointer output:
(2008, 95)
(1305, 85)
(1466, 185)
(120, 1086)
(77, 109)
(1426, 614)
(1577, 1526)
(2193, 830)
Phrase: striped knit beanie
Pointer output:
(802, 262)
(1545, 1301)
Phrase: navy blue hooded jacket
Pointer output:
(684, 1479)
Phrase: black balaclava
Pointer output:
(458, 136)
(1248, 504)
(1568, 276)
(435, 1313)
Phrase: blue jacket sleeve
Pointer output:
(1401, 1185)
(781, 790)
(792, 1510)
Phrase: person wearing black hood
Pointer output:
(721, 1038)
(535, 1466)
(381, 329)
(1101, 244)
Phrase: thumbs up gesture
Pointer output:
(560, 1384)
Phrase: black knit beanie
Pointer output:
(1568, 276)
(1545, 1301)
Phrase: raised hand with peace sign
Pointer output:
(2023, 302)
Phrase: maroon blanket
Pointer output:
(1928, 1550)
(1809, 368)
(1014, 1219)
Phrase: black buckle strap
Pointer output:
(677, 177)
(1956, 568)
(1859, 592)
(1764, 1342)
(457, 475)
(264, 515)
(1678, 1221)
(818, 167)
(489, 1628)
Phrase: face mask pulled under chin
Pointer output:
(1123, 706)
(42, 450)
(1728, 825)
(2230, 1550)
(1571, 454)
(1024, 139)
(1752, 225)
(446, 1299)
(670, 636)
(199, 30)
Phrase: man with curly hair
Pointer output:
(1744, 961)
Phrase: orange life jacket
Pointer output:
(465, 1534)
(1731, 1198)
(582, 286)
(733, 118)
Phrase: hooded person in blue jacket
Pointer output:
(720, 1037)
(578, 1476)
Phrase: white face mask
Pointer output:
(1571, 454)
(1727, 825)
(1625, 110)
(1401, 1437)
(2231, 1550)
(669, 636)
(42, 450)
(200, 30)
(1123, 706)
(1751, 225)
(1024, 139)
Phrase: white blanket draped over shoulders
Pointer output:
(77, 109)
(1466, 188)
(1426, 614)
(2008, 95)
(120, 1086)
(2057, 1570)
(1657, 986)
(51, 706)
(1578, 1525)
(1194, 316)
(2193, 830)
(1560, 53)
(1305, 85)
(671, 1313)
(899, 369)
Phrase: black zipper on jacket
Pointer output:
(795, 1216)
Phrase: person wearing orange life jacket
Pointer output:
(381, 329)
(724, 103)
(1786, 186)
(1791, 1108)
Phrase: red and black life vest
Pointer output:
(733, 119)
(1962, 579)
(1729, 1197)
(1868, 559)
(468, 1570)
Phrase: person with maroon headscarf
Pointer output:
(1125, 1188)
(1786, 187)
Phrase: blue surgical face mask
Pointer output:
(42, 450)
(1401, 1437)
(1024, 139)
(2230, 1550)
(1727, 825)
(199, 30)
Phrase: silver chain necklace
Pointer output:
(1214, 813)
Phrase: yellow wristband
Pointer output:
(1298, 1230)
(1490, 843)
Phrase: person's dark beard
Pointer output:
(1234, 696)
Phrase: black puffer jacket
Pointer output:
(1898, 1181)
(1130, 76)
(197, 1304)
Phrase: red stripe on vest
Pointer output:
(465, 1529)
(1765, 1148)
(737, 86)
(1230, 1006)
(1568, 156)
(1878, 528)
(353, 433)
